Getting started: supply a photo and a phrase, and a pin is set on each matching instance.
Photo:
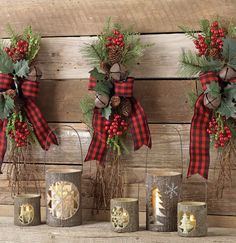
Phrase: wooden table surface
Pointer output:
(100, 232)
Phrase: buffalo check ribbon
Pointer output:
(138, 122)
(30, 91)
(199, 138)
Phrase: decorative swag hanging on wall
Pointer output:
(115, 111)
(215, 111)
(21, 122)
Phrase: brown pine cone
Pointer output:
(105, 67)
(17, 57)
(214, 52)
(115, 101)
(125, 107)
(114, 55)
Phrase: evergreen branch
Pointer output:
(231, 30)
(205, 26)
(14, 37)
(188, 32)
(87, 106)
(33, 39)
(191, 64)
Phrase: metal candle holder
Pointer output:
(63, 193)
(27, 210)
(192, 219)
(124, 214)
(163, 193)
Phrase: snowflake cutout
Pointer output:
(171, 190)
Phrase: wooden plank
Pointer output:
(59, 99)
(165, 153)
(63, 18)
(101, 233)
(61, 58)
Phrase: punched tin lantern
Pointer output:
(192, 219)
(27, 210)
(162, 195)
(63, 185)
(63, 193)
(124, 214)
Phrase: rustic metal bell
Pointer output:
(227, 73)
(211, 102)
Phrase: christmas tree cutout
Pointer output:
(157, 206)
(186, 225)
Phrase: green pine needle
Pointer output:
(97, 52)
(6, 106)
(189, 32)
(87, 106)
(191, 64)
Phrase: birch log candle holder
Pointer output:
(63, 193)
(192, 219)
(124, 214)
(27, 210)
(163, 193)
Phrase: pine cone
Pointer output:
(115, 101)
(214, 52)
(17, 56)
(125, 107)
(105, 67)
(114, 55)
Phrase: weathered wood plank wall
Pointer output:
(66, 26)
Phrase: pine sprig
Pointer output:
(6, 106)
(97, 52)
(191, 64)
(189, 32)
(14, 37)
(87, 106)
(205, 27)
(34, 43)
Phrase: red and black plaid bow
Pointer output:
(30, 91)
(199, 137)
(138, 122)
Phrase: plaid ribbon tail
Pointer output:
(41, 128)
(199, 140)
(139, 126)
(98, 147)
(3, 141)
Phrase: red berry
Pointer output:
(216, 145)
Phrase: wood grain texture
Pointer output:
(59, 100)
(72, 17)
(61, 58)
(165, 152)
(95, 232)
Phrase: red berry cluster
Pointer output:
(215, 40)
(21, 133)
(217, 35)
(116, 127)
(117, 39)
(201, 45)
(221, 134)
(18, 53)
